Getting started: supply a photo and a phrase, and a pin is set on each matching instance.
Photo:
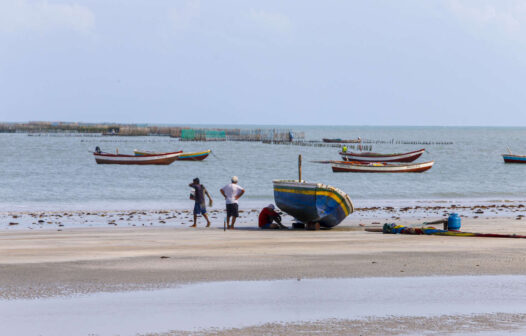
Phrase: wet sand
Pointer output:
(36, 220)
(486, 324)
(37, 263)
(53, 261)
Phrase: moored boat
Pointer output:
(341, 140)
(312, 202)
(147, 159)
(378, 157)
(190, 156)
(512, 158)
(381, 167)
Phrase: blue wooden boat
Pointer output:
(312, 202)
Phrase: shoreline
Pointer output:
(66, 219)
(90, 206)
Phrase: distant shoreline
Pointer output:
(181, 132)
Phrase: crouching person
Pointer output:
(270, 219)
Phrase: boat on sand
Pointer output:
(378, 157)
(148, 159)
(312, 202)
(380, 167)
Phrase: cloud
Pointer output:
(508, 16)
(274, 21)
(43, 15)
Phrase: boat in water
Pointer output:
(312, 202)
(378, 157)
(147, 159)
(342, 140)
(380, 167)
(513, 158)
(190, 156)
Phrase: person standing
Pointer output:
(232, 192)
(199, 197)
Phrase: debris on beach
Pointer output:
(430, 230)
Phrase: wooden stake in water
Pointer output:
(299, 167)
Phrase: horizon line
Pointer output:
(146, 124)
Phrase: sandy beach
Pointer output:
(62, 261)
(50, 262)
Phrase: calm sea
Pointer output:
(59, 172)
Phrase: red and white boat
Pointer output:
(377, 157)
(381, 167)
(148, 159)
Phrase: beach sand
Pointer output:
(53, 262)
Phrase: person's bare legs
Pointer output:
(228, 222)
(207, 220)
(195, 221)
(233, 221)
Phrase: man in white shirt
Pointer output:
(232, 192)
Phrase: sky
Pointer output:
(407, 62)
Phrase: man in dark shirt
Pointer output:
(199, 197)
(267, 216)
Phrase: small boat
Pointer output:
(378, 157)
(381, 167)
(147, 159)
(312, 202)
(341, 140)
(194, 156)
(512, 158)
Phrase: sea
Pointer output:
(53, 172)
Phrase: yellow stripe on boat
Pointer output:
(330, 194)
(337, 199)
(296, 191)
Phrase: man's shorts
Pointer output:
(232, 210)
(267, 226)
(199, 209)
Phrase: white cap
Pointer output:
(271, 206)
(234, 179)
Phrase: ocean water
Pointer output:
(59, 172)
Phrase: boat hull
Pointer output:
(195, 156)
(151, 159)
(198, 156)
(510, 158)
(372, 157)
(312, 202)
(341, 140)
(381, 167)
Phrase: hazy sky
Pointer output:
(269, 62)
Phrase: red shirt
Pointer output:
(266, 215)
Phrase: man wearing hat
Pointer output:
(199, 197)
(232, 192)
(269, 215)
